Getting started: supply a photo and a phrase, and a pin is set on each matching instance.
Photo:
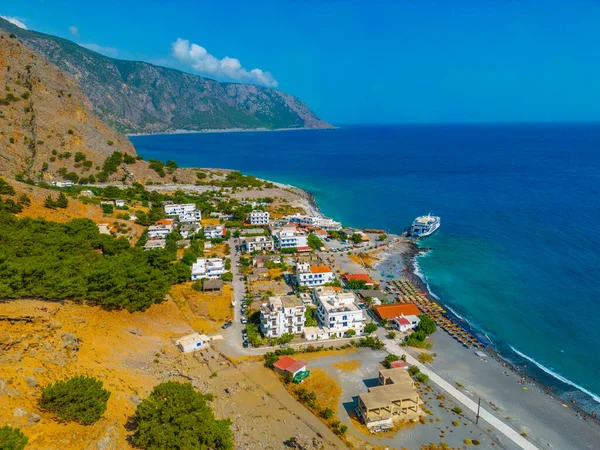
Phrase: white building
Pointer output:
(259, 218)
(192, 342)
(119, 203)
(160, 229)
(185, 212)
(405, 323)
(176, 209)
(208, 268)
(290, 237)
(282, 315)
(337, 312)
(188, 230)
(307, 275)
(153, 244)
(62, 183)
(315, 222)
(258, 243)
(214, 231)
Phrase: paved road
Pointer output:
(393, 347)
(232, 336)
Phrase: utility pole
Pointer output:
(478, 407)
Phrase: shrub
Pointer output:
(227, 276)
(456, 423)
(349, 332)
(70, 131)
(128, 159)
(413, 370)
(107, 208)
(110, 142)
(425, 358)
(79, 399)
(422, 378)
(392, 335)
(476, 442)
(327, 413)
(389, 359)
(457, 410)
(12, 438)
(174, 416)
(468, 442)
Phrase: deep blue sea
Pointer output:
(518, 253)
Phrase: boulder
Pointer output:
(19, 412)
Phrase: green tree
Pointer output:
(80, 399)
(327, 413)
(12, 438)
(382, 237)
(413, 370)
(356, 238)
(171, 164)
(356, 285)
(285, 338)
(314, 242)
(426, 324)
(227, 276)
(49, 203)
(176, 417)
(370, 328)
(62, 201)
(310, 320)
(5, 188)
(350, 332)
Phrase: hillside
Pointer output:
(138, 97)
(44, 119)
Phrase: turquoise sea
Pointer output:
(518, 252)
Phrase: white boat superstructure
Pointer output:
(425, 226)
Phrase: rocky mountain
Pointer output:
(138, 97)
(46, 125)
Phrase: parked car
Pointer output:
(244, 321)
(227, 325)
(245, 344)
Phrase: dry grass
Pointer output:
(323, 353)
(205, 311)
(327, 389)
(348, 365)
(274, 273)
(210, 222)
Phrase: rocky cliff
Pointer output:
(46, 124)
(137, 97)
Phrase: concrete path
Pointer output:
(515, 437)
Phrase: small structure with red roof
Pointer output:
(289, 365)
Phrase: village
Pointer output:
(299, 284)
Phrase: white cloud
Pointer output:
(15, 21)
(108, 51)
(74, 31)
(201, 61)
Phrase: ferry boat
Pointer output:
(425, 226)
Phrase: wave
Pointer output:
(556, 375)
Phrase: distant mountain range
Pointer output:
(138, 97)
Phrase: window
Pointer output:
(345, 318)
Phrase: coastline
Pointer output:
(226, 130)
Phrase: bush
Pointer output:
(227, 276)
(457, 410)
(174, 416)
(426, 325)
(79, 399)
(12, 438)
(422, 378)
(413, 370)
(350, 332)
(389, 359)
(392, 335)
(327, 413)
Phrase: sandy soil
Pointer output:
(131, 353)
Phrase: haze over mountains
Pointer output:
(138, 97)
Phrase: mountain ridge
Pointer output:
(138, 97)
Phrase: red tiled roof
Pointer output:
(402, 320)
(164, 222)
(358, 276)
(303, 249)
(320, 232)
(298, 365)
(400, 309)
(285, 363)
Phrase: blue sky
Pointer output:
(362, 62)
